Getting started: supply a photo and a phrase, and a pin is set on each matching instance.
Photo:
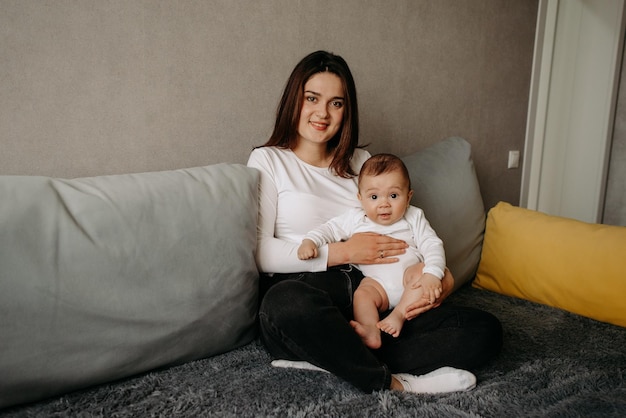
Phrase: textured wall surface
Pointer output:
(98, 87)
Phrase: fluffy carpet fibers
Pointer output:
(553, 364)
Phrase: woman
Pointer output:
(308, 175)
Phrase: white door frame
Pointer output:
(576, 68)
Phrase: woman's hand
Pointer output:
(366, 248)
(423, 305)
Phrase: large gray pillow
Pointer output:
(446, 188)
(105, 277)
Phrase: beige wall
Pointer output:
(98, 87)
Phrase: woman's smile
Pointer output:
(319, 125)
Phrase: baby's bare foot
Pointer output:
(392, 324)
(370, 334)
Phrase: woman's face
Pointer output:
(322, 111)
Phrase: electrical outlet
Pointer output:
(513, 159)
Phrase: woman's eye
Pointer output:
(337, 104)
(310, 98)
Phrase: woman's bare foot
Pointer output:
(392, 324)
(370, 334)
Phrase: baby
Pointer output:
(385, 195)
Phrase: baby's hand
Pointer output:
(432, 287)
(307, 250)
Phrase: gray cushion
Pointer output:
(105, 277)
(446, 188)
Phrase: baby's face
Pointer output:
(385, 197)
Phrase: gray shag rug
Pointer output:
(553, 364)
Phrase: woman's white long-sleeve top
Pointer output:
(294, 198)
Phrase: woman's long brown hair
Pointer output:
(285, 133)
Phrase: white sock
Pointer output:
(291, 364)
(443, 380)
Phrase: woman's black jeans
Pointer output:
(305, 316)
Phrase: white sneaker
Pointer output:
(443, 380)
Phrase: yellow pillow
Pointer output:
(561, 262)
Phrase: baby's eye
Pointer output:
(394, 195)
(374, 197)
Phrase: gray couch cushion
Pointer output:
(105, 277)
(446, 188)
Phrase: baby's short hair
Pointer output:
(384, 163)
